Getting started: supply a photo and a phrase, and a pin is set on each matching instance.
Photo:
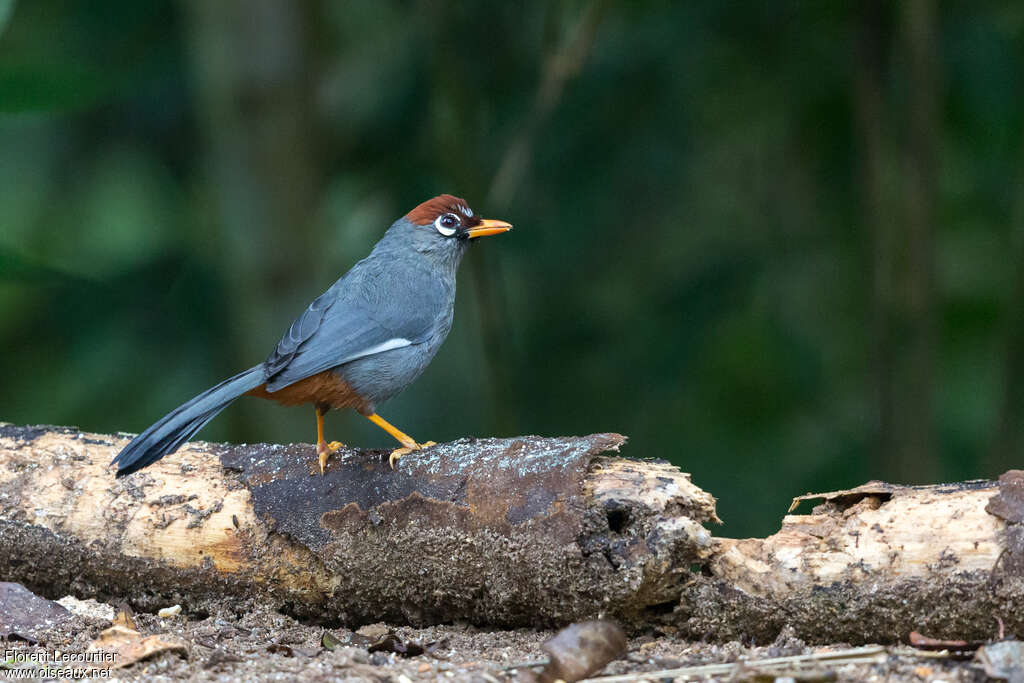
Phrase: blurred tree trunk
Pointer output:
(902, 238)
(562, 65)
(871, 58)
(915, 455)
(253, 72)
(1006, 441)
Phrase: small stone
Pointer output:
(168, 612)
(373, 631)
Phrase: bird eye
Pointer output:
(447, 223)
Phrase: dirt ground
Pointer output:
(268, 646)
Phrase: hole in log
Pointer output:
(618, 520)
(662, 608)
(842, 503)
(877, 493)
(312, 617)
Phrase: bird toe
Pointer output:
(326, 450)
(397, 454)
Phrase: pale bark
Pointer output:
(872, 564)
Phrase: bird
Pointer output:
(360, 343)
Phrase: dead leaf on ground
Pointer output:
(407, 648)
(125, 617)
(956, 647)
(582, 649)
(387, 642)
(23, 613)
(331, 641)
(130, 646)
(392, 643)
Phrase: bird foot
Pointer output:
(325, 450)
(406, 450)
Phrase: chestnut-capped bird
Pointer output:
(358, 344)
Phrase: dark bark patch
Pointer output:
(1008, 504)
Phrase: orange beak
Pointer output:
(488, 227)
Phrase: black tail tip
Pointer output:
(124, 470)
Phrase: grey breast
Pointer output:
(421, 294)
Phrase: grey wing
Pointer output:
(340, 326)
(300, 331)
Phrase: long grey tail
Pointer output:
(181, 424)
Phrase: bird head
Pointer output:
(442, 227)
(451, 218)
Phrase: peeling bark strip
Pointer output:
(525, 531)
(503, 532)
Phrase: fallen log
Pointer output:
(523, 531)
(873, 564)
(502, 532)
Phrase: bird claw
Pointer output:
(406, 450)
(325, 450)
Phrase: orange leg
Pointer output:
(323, 449)
(408, 443)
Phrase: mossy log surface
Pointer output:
(524, 531)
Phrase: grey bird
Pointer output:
(358, 344)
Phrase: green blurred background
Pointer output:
(780, 244)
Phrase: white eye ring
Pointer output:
(444, 230)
